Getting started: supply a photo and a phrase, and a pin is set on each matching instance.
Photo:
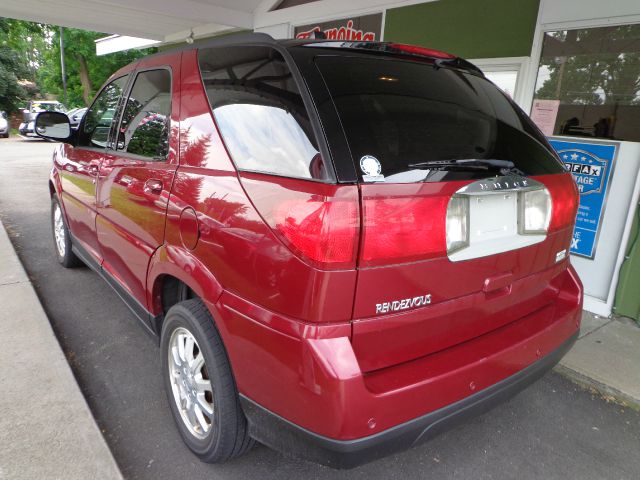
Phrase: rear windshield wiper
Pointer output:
(465, 164)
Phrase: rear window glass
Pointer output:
(260, 112)
(396, 113)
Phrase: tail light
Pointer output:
(457, 223)
(320, 223)
(535, 211)
(403, 229)
(564, 200)
(422, 51)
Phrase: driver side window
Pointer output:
(98, 119)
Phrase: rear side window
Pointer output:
(396, 113)
(260, 112)
(144, 129)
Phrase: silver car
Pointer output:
(4, 126)
(32, 110)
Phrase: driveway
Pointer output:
(552, 430)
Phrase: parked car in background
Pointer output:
(75, 116)
(342, 247)
(4, 125)
(33, 108)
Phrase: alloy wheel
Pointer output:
(58, 231)
(190, 383)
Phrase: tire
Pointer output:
(227, 436)
(61, 237)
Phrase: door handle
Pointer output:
(153, 186)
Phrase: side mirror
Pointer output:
(54, 126)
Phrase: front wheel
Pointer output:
(61, 237)
(200, 385)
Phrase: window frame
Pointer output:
(310, 107)
(111, 128)
(120, 113)
(520, 65)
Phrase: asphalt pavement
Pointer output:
(57, 437)
(552, 430)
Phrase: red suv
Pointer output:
(342, 247)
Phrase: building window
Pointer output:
(506, 73)
(589, 82)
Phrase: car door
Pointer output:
(134, 182)
(79, 168)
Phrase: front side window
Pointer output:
(260, 112)
(98, 119)
(144, 129)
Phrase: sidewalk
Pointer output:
(46, 427)
(606, 358)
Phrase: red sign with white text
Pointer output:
(366, 28)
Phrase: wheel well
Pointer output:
(52, 190)
(172, 291)
(169, 291)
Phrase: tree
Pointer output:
(86, 72)
(29, 40)
(598, 66)
(12, 69)
(31, 51)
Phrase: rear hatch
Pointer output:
(466, 212)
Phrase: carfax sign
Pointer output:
(591, 164)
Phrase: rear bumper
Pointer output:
(25, 130)
(305, 392)
(278, 433)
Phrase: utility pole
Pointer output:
(64, 74)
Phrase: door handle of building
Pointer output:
(153, 186)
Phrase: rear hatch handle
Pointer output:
(498, 284)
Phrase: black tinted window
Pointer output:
(98, 119)
(144, 129)
(260, 112)
(403, 112)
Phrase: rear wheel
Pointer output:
(61, 237)
(200, 385)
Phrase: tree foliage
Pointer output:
(13, 67)
(31, 51)
(598, 66)
(86, 72)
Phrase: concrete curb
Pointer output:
(46, 427)
(606, 359)
(607, 392)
